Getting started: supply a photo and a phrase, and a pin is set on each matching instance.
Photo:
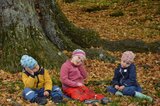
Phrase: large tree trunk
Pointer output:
(37, 28)
(22, 34)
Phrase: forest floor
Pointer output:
(113, 21)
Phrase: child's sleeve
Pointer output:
(132, 76)
(83, 71)
(48, 81)
(64, 77)
(28, 80)
(115, 80)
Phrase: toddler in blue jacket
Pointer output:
(124, 81)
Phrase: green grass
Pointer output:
(96, 5)
(140, 102)
(56, 81)
(11, 87)
(158, 94)
(157, 87)
(114, 104)
(117, 13)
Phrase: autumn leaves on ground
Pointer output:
(113, 21)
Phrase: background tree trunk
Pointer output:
(37, 28)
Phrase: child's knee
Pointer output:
(56, 94)
(29, 94)
(111, 89)
(129, 91)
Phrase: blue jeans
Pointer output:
(129, 91)
(31, 94)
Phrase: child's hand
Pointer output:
(117, 87)
(121, 88)
(79, 84)
(46, 93)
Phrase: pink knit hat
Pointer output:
(79, 52)
(128, 56)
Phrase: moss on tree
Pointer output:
(24, 35)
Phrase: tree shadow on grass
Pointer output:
(131, 44)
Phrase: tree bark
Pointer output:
(22, 34)
(40, 29)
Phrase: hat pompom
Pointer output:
(28, 61)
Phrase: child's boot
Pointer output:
(141, 95)
(41, 100)
(118, 93)
(58, 99)
(105, 100)
(90, 101)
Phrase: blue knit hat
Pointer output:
(28, 61)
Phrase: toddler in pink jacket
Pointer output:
(72, 76)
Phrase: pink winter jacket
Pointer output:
(71, 74)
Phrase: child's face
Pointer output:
(36, 68)
(77, 60)
(125, 64)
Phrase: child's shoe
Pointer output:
(58, 99)
(91, 101)
(105, 100)
(143, 96)
(118, 93)
(41, 100)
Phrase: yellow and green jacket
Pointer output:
(41, 79)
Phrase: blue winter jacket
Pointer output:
(125, 76)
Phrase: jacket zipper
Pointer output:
(37, 81)
(122, 78)
(38, 78)
(122, 75)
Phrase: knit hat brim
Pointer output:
(79, 52)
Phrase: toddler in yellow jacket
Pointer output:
(37, 82)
